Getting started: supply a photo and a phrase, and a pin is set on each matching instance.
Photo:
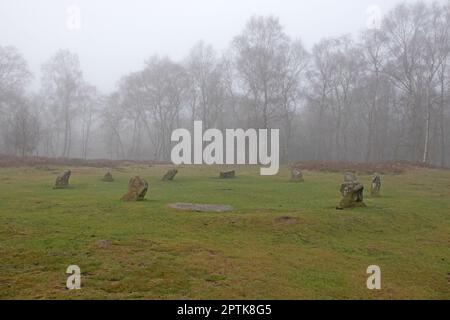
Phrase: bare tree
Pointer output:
(21, 131)
(163, 84)
(260, 53)
(374, 94)
(61, 82)
(435, 55)
(292, 87)
(207, 89)
(15, 112)
(334, 80)
(404, 29)
(113, 118)
(89, 103)
(14, 74)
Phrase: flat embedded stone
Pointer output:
(196, 207)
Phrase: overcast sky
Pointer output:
(114, 37)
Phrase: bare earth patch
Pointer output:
(286, 220)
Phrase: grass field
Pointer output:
(283, 240)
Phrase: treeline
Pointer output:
(383, 96)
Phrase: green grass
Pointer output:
(158, 253)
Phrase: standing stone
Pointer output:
(62, 181)
(170, 175)
(375, 186)
(296, 175)
(227, 175)
(350, 177)
(137, 189)
(352, 195)
(108, 177)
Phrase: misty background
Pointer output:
(112, 79)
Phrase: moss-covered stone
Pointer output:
(62, 181)
(352, 195)
(137, 189)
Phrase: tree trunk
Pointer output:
(442, 120)
(427, 130)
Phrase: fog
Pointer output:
(342, 80)
(116, 36)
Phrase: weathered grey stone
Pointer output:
(62, 181)
(296, 175)
(170, 175)
(350, 177)
(196, 207)
(137, 189)
(108, 177)
(102, 244)
(227, 175)
(375, 186)
(352, 195)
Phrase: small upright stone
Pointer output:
(350, 177)
(108, 177)
(375, 186)
(352, 192)
(296, 175)
(227, 175)
(170, 175)
(62, 181)
(137, 189)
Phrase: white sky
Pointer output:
(116, 36)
